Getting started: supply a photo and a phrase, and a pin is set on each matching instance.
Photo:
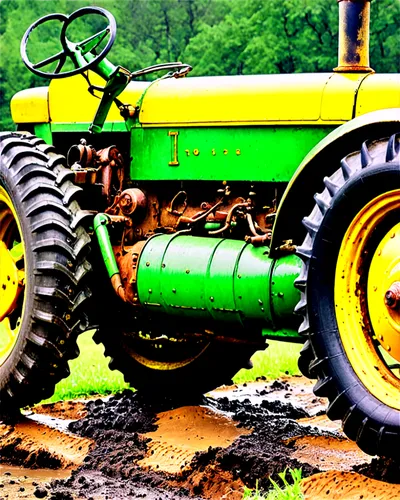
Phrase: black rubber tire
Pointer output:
(213, 367)
(56, 247)
(363, 176)
(305, 360)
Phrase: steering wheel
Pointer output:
(82, 54)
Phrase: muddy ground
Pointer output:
(127, 447)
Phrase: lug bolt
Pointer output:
(392, 296)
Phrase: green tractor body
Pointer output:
(197, 198)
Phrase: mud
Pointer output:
(334, 485)
(65, 410)
(128, 447)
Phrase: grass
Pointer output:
(289, 491)
(280, 358)
(90, 374)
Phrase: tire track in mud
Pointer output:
(212, 447)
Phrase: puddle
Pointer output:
(327, 452)
(296, 391)
(36, 445)
(183, 432)
(19, 482)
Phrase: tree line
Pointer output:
(217, 37)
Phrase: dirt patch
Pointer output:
(209, 448)
(382, 469)
(120, 428)
(35, 445)
(326, 452)
(336, 485)
(183, 432)
(66, 410)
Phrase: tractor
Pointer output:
(188, 220)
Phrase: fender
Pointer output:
(322, 161)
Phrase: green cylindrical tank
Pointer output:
(217, 279)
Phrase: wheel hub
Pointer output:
(8, 282)
(384, 292)
(12, 276)
(368, 328)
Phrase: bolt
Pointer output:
(390, 299)
(392, 296)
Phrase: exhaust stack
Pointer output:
(354, 36)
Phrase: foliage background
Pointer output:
(224, 37)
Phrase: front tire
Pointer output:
(42, 273)
(351, 259)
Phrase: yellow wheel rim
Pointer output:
(157, 355)
(368, 328)
(12, 276)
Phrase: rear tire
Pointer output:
(353, 229)
(38, 333)
(152, 363)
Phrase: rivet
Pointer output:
(150, 290)
(163, 266)
(147, 264)
(260, 302)
(174, 290)
(280, 294)
(187, 271)
(388, 348)
(239, 276)
(212, 299)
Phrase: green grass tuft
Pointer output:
(287, 492)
